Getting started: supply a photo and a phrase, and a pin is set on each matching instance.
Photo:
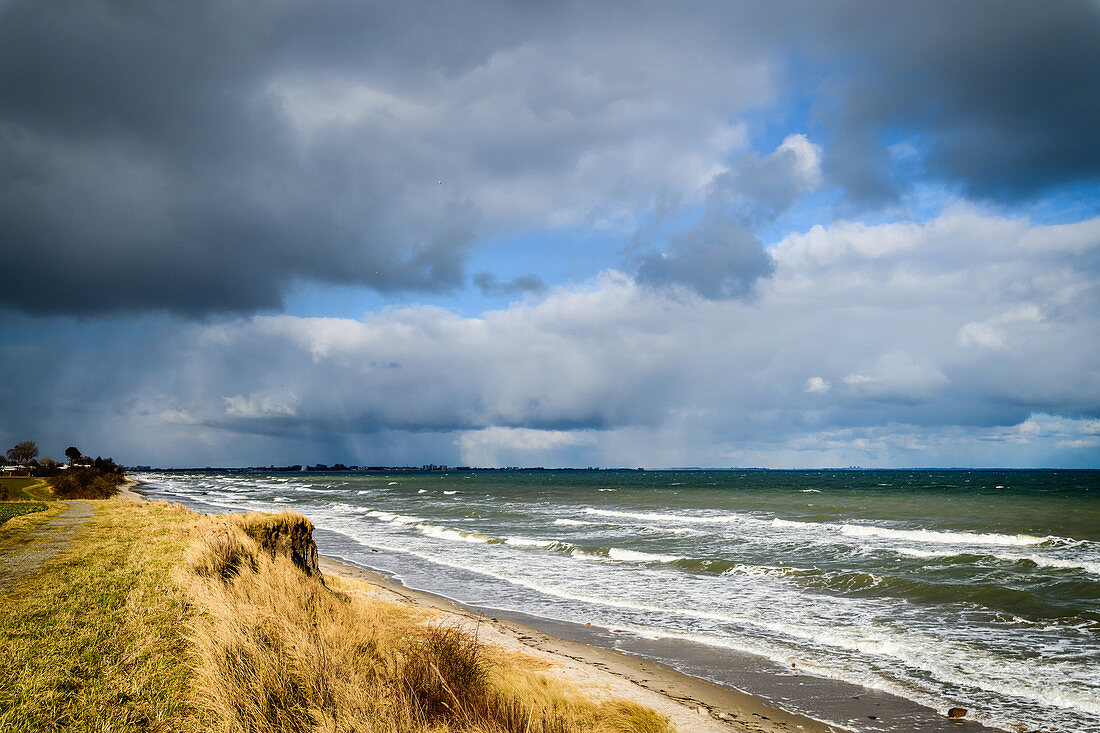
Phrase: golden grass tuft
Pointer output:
(275, 650)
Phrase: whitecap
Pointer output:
(787, 523)
(443, 533)
(394, 518)
(528, 542)
(1058, 562)
(661, 517)
(761, 571)
(927, 535)
(620, 555)
(615, 553)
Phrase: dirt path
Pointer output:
(44, 543)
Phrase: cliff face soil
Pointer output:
(288, 534)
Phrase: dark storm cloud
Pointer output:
(1002, 97)
(146, 167)
(203, 157)
(491, 285)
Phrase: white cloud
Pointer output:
(804, 157)
(817, 385)
(994, 333)
(260, 406)
(897, 375)
(515, 446)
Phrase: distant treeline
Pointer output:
(82, 477)
(362, 469)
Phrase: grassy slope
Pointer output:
(96, 642)
(161, 619)
(23, 489)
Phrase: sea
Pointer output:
(976, 589)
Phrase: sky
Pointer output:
(768, 234)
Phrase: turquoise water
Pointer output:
(979, 588)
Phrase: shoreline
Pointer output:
(637, 661)
(631, 670)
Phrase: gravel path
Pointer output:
(47, 540)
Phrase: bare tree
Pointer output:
(23, 453)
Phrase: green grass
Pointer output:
(14, 509)
(96, 641)
(21, 489)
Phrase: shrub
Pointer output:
(85, 483)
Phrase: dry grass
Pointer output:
(159, 619)
(277, 651)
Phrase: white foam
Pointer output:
(443, 533)
(394, 518)
(788, 523)
(931, 536)
(683, 531)
(913, 552)
(422, 491)
(392, 483)
(1058, 562)
(282, 499)
(634, 556)
(449, 493)
(1041, 560)
(760, 571)
(809, 491)
(528, 542)
(662, 517)
(573, 522)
